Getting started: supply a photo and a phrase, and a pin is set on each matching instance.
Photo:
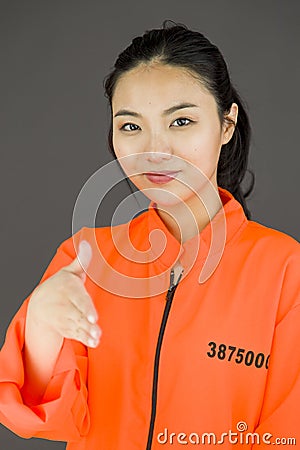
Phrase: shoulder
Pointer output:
(279, 253)
(107, 238)
(275, 258)
(269, 239)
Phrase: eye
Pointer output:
(130, 125)
(182, 119)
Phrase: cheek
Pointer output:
(117, 145)
(204, 140)
(126, 149)
(203, 154)
(129, 162)
(202, 158)
(127, 165)
(122, 149)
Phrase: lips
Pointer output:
(161, 177)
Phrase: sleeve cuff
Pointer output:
(63, 412)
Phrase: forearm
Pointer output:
(41, 349)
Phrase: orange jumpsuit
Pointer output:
(218, 359)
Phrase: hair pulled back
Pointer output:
(176, 45)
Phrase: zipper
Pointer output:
(169, 298)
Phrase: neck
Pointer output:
(186, 219)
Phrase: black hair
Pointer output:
(176, 45)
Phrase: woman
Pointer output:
(188, 332)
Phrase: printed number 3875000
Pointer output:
(238, 355)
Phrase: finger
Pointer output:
(80, 264)
(81, 299)
(77, 320)
(78, 334)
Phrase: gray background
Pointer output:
(54, 117)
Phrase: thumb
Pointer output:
(82, 260)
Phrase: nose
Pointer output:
(158, 149)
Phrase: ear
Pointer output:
(228, 127)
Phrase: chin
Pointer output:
(167, 199)
(162, 196)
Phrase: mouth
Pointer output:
(161, 177)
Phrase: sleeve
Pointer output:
(279, 422)
(63, 412)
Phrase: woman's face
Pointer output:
(167, 125)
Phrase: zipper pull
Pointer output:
(172, 275)
(173, 285)
(171, 280)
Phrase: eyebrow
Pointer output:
(127, 112)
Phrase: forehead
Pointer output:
(158, 83)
